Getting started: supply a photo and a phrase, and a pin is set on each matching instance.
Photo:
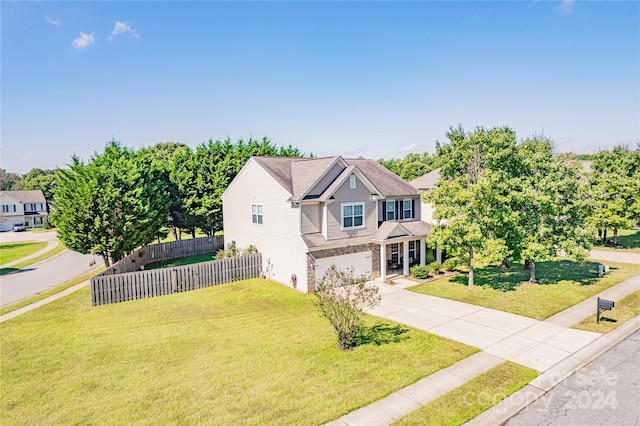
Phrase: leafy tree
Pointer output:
(111, 205)
(201, 176)
(470, 199)
(615, 187)
(552, 205)
(44, 180)
(343, 300)
(412, 166)
(10, 181)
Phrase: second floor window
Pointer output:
(407, 209)
(391, 210)
(256, 213)
(353, 215)
(8, 208)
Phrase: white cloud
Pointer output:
(123, 28)
(52, 21)
(411, 148)
(567, 6)
(85, 40)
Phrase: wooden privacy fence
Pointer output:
(164, 251)
(157, 282)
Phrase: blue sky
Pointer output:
(377, 79)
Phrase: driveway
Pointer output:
(535, 344)
(42, 276)
(615, 256)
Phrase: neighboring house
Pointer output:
(424, 184)
(305, 214)
(26, 207)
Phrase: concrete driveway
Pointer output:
(42, 276)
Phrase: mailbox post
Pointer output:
(603, 305)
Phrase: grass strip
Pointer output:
(10, 252)
(563, 283)
(252, 352)
(629, 238)
(28, 301)
(181, 261)
(54, 251)
(624, 310)
(469, 400)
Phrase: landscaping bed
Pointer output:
(563, 283)
(250, 352)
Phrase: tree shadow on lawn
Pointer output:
(547, 273)
(380, 334)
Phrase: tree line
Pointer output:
(122, 198)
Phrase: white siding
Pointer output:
(278, 237)
(346, 195)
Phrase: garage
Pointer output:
(361, 262)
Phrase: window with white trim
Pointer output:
(352, 182)
(8, 208)
(256, 213)
(391, 210)
(407, 212)
(412, 251)
(353, 215)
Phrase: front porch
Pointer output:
(402, 245)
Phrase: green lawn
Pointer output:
(54, 251)
(181, 261)
(251, 352)
(624, 310)
(10, 252)
(469, 400)
(563, 283)
(629, 238)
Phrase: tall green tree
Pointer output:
(552, 205)
(469, 201)
(44, 180)
(111, 205)
(615, 187)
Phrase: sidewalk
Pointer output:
(553, 349)
(615, 256)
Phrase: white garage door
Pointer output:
(361, 262)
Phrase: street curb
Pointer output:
(538, 387)
(37, 263)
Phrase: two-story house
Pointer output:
(26, 207)
(305, 214)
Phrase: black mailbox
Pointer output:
(603, 305)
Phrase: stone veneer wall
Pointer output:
(321, 254)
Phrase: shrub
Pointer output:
(343, 299)
(420, 272)
(233, 251)
(449, 264)
(434, 267)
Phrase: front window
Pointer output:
(353, 215)
(395, 252)
(256, 213)
(391, 210)
(407, 209)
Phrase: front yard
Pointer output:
(251, 352)
(563, 283)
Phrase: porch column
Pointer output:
(438, 255)
(423, 252)
(405, 258)
(383, 262)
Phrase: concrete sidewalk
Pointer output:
(554, 350)
(615, 256)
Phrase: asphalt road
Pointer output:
(45, 275)
(605, 392)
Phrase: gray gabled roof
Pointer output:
(33, 196)
(299, 175)
(427, 181)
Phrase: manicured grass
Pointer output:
(624, 310)
(563, 283)
(54, 251)
(43, 295)
(629, 238)
(250, 352)
(10, 252)
(469, 400)
(181, 261)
